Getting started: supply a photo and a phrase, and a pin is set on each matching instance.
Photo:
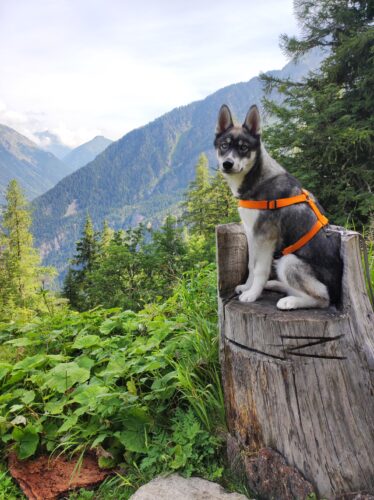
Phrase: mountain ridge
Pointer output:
(36, 170)
(145, 172)
(86, 152)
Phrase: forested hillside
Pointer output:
(21, 159)
(144, 174)
(86, 152)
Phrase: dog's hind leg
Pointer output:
(277, 286)
(303, 288)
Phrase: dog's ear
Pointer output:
(252, 121)
(224, 120)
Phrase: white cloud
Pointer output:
(110, 66)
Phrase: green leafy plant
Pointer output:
(135, 386)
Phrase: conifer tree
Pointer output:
(195, 203)
(209, 202)
(77, 279)
(324, 130)
(87, 247)
(106, 237)
(20, 262)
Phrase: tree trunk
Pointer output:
(300, 382)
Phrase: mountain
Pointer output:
(52, 143)
(86, 152)
(145, 173)
(36, 170)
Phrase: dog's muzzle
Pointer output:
(227, 165)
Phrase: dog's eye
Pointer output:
(224, 146)
(244, 148)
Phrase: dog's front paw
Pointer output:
(249, 296)
(288, 303)
(241, 288)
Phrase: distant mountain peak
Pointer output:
(86, 152)
(36, 170)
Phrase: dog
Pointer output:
(309, 276)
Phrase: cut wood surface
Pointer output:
(301, 382)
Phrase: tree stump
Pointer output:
(300, 382)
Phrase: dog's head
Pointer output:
(236, 146)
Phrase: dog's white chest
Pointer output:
(249, 217)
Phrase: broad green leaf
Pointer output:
(86, 341)
(89, 395)
(55, 407)
(133, 435)
(30, 362)
(22, 342)
(15, 408)
(108, 326)
(151, 366)
(5, 398)
(64, 376)
(57, 358)
(5, 368)
(100, 438)
(85, 362)
(28, 397)
(27, 441)
(133, 439)
(68, 424)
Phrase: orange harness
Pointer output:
(286, 202)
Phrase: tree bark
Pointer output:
(300, 382)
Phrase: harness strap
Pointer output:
(285, 202)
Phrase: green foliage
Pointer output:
(323, 131)
(208, 202)
(8, 490)
(128, 268)
(21, 276)
(136, 385)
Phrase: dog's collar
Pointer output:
(286, 202)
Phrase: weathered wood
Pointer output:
(301, 382)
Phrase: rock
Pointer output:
(175, 487)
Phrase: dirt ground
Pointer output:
(47, 478)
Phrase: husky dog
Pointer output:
(311, 276)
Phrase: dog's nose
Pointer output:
(228, 164)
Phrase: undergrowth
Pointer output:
(141, 390)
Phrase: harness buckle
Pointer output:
(307, 195)
(271, 204)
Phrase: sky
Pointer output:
(81, 68)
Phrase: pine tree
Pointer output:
(20, 269)
(195, 203)
(209, 202)
(87, 247)
(106, 237)
(77, 279)
(324, 130)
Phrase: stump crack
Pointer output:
(315, 355)
(294, 350)
(251, 349)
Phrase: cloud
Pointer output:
(110, 66)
